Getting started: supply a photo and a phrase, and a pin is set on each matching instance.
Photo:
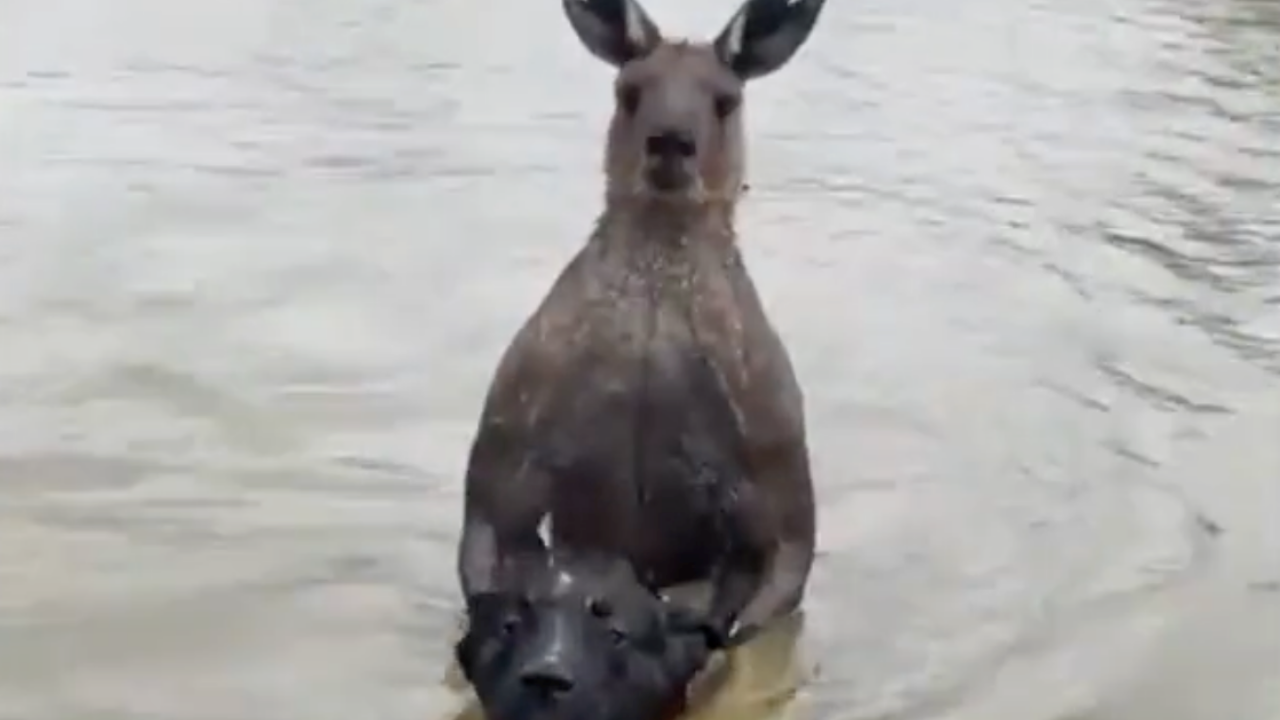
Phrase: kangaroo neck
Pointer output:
(666, 227)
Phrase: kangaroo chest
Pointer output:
(643, 425)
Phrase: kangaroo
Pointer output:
(648, 411)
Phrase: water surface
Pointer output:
(258, 260)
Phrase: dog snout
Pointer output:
(547, 677)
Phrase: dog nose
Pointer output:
(547, 678)
(670, 144)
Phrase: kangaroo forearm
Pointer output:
(779, 591)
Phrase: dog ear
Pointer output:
(483, 605)
(464, 652)
(487, 613)
(687, 641)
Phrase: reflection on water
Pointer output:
(259, 258)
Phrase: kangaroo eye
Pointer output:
(726, 103)
(629, 98)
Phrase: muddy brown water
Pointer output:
(258, 259)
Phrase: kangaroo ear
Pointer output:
(764, 34)
(616, 31)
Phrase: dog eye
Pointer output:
(510, 624)
(618, 635)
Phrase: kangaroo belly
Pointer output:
(643, 453)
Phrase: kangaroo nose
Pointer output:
(547, 679)
(670, 144)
